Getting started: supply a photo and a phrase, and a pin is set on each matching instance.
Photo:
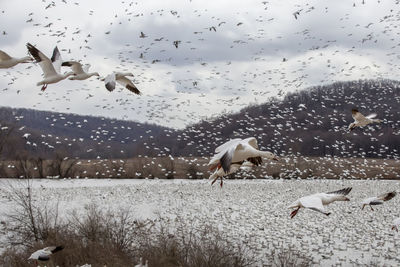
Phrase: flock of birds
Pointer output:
(230, 157)
(52, 69)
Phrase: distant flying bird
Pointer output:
(110, 82)
(297, 13)
(238, 150)
(360, 120)
(142, 35)
(81, 72)
(176, 43)
(45, 253)
(318, 201)
(51, 68)
(379, 200)
(8, 62)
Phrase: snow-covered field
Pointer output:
(253, 211)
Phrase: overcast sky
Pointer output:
(257, 50)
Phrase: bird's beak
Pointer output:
(346, 199)
(276, 158)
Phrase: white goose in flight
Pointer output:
(81, 72)
(51, 68)
(360, 120)
(318, 201)
(378, 200)
(236, 151)
(8, 62)
(220, 173)
(120, 77)
(45, 253)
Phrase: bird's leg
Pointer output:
(294, 213)
(214, 180)
(222, 182)
(371, 207)
(44, 87)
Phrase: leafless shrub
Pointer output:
(30, 223)
(192, 172)
(62, 166)
(289, 257)
(188, 246)
(167, 167)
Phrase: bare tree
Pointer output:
(62, 166)
(5, 132)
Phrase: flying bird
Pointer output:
(297, 13)
(45, 253)
(8, 62)
(360, 120)
(318, 201)
(237, 150)
(110, 82)
(51, 68)
(379, 200)
(81, 72)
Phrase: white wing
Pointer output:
(252, 141)
(371, 116)
(110, 82)
(44, 62)
(4, 56)
(228, 144)
(313, 203)
(75, 66)
(86, 67)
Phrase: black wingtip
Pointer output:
(58, 248)
(226, 162)
(344, 191)
(66, 64)
(56, 54)
(34, 52)
(133, 89)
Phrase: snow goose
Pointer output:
(51, 68)
(379, 200)
(318, 201)
(238, 150)
(81, 72)
(396, 224)
(45, 253)
(8, 62)
(360, 120)
(120, 77)
(235, 166)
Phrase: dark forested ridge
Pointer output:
(311, 122)
(42, 133)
